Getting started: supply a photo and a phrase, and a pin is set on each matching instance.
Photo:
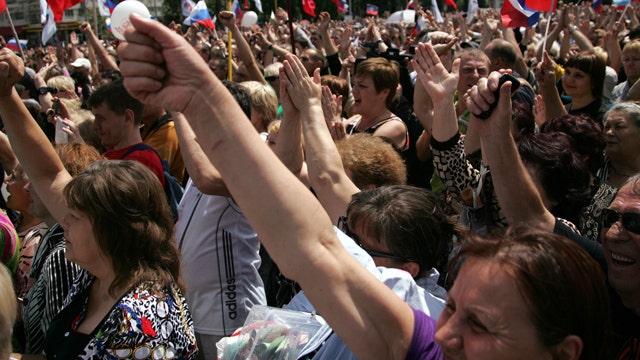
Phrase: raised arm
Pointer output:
(201, 171)
(245, 54)
(102, 55)
(519, 199)
(34, 151)
(440, 85)
(546, 76)
(326, 172)
(160, 68)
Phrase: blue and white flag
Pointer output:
(49, 28)
(200, 15)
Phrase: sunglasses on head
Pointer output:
(630, 221)
(342, 225)
(271, 78)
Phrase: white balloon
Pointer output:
(120, 16)
(249, 19)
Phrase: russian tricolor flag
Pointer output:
(200, 15)
(341, 5)
(13, 44)
(235, 7)
(541, 5)
(111, 4)
(515, 14)
(621, 4)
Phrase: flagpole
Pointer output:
(15, 34)
(624, 11)
(95, 19)
(230, 46)
(546, 32)
(293, 35)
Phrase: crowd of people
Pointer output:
(452, 189)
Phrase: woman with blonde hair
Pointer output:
(264, 104)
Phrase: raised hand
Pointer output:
(439, 83)
(545, 72)
(227, 18)
(480, 97)
(331, 107)
(303, 90)
(539, 110)
(85, 27)
(159, 69)
(324, 18)
(11, 71)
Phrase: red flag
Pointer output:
(514, 14)
(452, 3)
(3, 6)
(59, 6)
(309, 7)
(541, 5)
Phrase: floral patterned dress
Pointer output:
(141, 325)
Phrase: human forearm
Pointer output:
(445, 123)
(289, 146)
(206, 177)
(36, 154)
(101, 53)
(326, 171)
(518, 197)
(245, 54)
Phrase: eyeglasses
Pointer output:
(342, 225)
(630, 221)
(271, 78)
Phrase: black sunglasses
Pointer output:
(630, 221)
(271, 78)
(342, 225)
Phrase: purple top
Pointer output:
(423, 345)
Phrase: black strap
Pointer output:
(157, 124)
(136, 147)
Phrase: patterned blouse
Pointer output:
(53, 275)
(142, 325)
(591, 215)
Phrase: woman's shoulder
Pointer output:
(159, 320)
(147, 298)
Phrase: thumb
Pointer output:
(455, 67)
(316, 76)
(452, 42)
(148, 31)
(505, 98)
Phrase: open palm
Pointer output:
(435, 78)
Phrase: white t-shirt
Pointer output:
(220, 261)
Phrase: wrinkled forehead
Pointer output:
(628, 197)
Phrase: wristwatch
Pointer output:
(45, 89)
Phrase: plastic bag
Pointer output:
(275, 334)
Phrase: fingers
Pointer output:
(455, 67)
(143, 69)
(151, 33)
(338, 131)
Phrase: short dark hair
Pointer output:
(241, 95)
(117, 99)
(561, 171)
(384, 73)
(586, 134)
(593, 65)
(409, 220)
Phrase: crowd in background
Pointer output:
(424, 207)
